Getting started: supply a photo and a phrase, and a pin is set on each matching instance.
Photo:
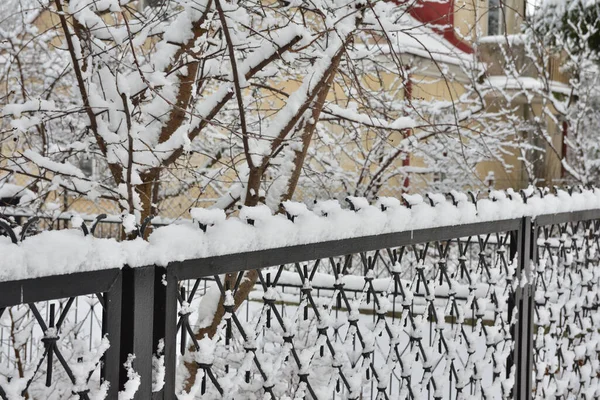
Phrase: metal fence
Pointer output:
(103, 226)
(502, 309)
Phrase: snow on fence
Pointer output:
(441, 298)
(101, 226)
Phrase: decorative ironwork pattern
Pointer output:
(421, 320)
(56, 332)
(67, 341)
(567, 295)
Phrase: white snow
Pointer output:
(502, 39)
(207, 216)
(525, 83)
(408, 35)
(133, 381)
(57, 252)
(29, 106)
(129, 223)
(10, 191)
(68, 251)
(61, 168)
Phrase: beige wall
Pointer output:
(467, 17)
(470, 20)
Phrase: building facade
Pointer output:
(453, 34)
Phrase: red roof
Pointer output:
(440, 17)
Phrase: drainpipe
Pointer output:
(565, 131)
(408, 95)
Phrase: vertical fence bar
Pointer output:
(158, 323)
(111, 328)
(523, 350)
(530, 266)
(513, 250)
(136, 324)
(535, 257)
(165, 327)
(126, 347)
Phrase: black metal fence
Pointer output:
(32, 297)
(502, 309)
(104, 226)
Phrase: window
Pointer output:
(152, 3)
(86, 165)
(439, 177)
(495, 18)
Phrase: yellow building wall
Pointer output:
(471, 17)
(470, 21)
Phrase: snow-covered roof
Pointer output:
(525, 83)
(424, 42)
(416, 38)
(68, 251)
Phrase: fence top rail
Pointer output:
(56, 287)
(210, 266)
(258, 238)
(566, 217)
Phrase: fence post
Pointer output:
(136, 327)
(165, 328)
(111, 327)
(523, 350)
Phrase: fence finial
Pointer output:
(473, 197)
(147, 221)
(27, 227)
(4, 227)
(96, 221)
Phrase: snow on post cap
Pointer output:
(206, 217)
(76, 221)
(436, 198)
(459, 197)
(357, 203)
(497, 195)
(129, 223)
(255, 214)
(327, 207)
(413, 199)
(388, 203)
(294, 209)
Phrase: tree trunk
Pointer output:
(253, 189)
(240, 296)
(309, 130)
(146, 192)
(252, 199)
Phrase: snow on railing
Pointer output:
(437, 316)
(210, 233)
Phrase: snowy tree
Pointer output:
(239, 102)
(546, 90)
(570, 29)
(244, 103)
(573, 23)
